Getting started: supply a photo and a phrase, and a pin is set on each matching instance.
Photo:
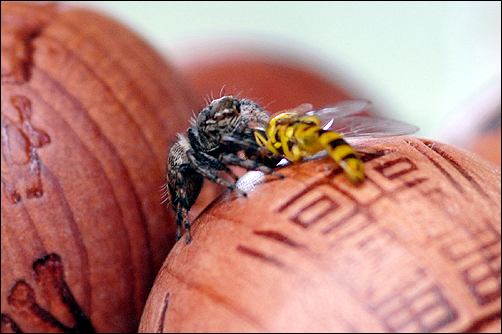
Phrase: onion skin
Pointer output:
(88, 111)
(413, 249)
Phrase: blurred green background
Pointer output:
(434, 64)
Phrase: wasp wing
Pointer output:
(339, 110)
(302, 109)
(360, 126)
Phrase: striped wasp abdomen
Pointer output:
(301, 132)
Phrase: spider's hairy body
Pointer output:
(212, 143)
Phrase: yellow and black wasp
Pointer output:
(301, 132)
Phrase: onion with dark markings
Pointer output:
(414, 248)
(88, 109)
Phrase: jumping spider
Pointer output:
(222, 130)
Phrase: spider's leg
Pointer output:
(210, 174)
(231, 173)
(248, 164)
(185, 182)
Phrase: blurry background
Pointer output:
(433, 64)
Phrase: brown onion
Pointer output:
(415, 248)
(88, 112)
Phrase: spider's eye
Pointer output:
(226, 113)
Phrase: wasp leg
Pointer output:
(264, 142)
